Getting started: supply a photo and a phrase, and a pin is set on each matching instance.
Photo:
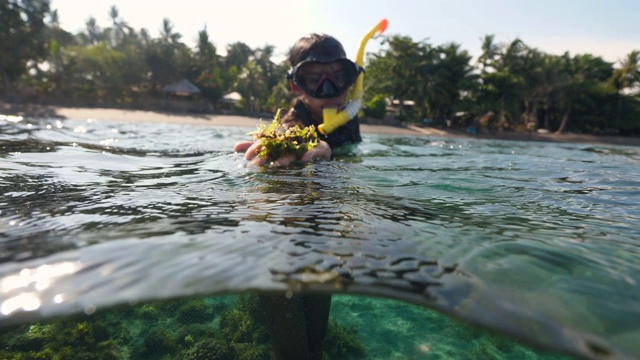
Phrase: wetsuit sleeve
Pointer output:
(346, 134)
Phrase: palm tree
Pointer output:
(238, 54)
(206, 52)
(94, 33)
(251, 84)
(452, 76)
(503, 77)
(625, 78)
(584, 84)
(167, 34)
(120, 27)
(490, 51)
(403, 71)
(627, 75)
(263, 58)
(538, 75)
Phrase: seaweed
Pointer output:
(278, 141)
(342, 342)
(208, 350)
(158, 342)
(79, 337)
(243, 329)
(189, 329)
(197, 311)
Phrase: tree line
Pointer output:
(510, 86)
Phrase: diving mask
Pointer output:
(325, 79)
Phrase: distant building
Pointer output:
(183, 87)
(229, 101)
(184, 96)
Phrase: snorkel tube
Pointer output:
(332, 119)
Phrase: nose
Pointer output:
(327, 89)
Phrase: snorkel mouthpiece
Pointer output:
(332, 119)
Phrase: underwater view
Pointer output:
(156, 241)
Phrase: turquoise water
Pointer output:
(535, 240)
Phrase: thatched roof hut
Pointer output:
(183, 87)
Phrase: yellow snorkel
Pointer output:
(332, 119)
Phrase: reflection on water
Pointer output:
(538, 241)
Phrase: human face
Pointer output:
(317, 105)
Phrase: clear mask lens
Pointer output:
(325, 79)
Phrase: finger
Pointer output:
(242, 146)
(258, 161)
(285, 160)
(253, 150)
(317, 152)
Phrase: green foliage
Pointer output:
(376, 107)
(210, 83)
(117, 66)
(278, 141)
(22, 37)
(280, 96)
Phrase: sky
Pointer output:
(610, 29)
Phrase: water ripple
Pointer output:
(540, 241)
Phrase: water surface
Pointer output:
(536, 240)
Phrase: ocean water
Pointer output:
(141, 240)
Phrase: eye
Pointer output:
(340, 77)
(312, 79)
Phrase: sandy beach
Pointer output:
(120, 115)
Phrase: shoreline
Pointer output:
(121, 115)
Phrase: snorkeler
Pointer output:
(321, 77)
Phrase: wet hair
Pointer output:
(318, 46)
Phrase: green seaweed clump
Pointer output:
(342, 342)
(243, 329)
(278, 141)
(208, 350)
(79, 337)
(196, 311)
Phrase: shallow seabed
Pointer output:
(536, 240)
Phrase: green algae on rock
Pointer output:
(278, 141)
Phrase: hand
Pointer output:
(251, 149)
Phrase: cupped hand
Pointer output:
(251, 149)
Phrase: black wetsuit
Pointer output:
(346, 134)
